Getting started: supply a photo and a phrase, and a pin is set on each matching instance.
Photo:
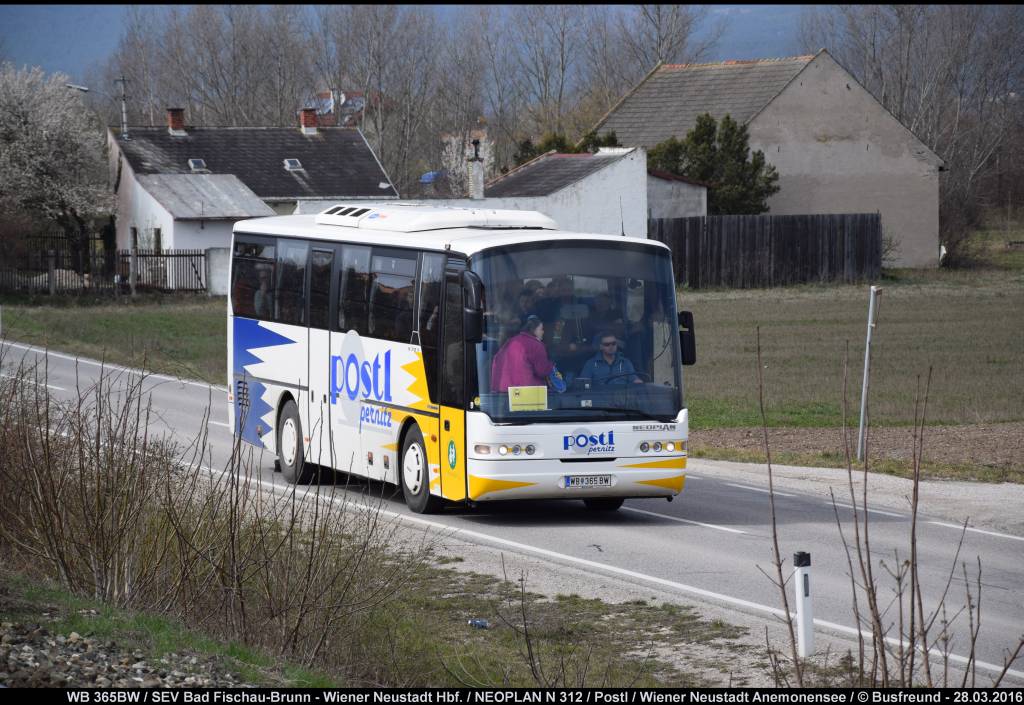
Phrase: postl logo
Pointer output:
(583, 441)
(451, 454)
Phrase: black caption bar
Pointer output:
(534, 696)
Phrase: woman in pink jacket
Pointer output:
(523, 360)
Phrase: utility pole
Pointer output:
(124, 107)
(876, 291)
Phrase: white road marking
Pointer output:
(959, 527)
(873, 511)
(758, 489)
(615, 569)
(693, 477)
(219, 423)
(31, 381)
(685, 521)
(111, 366)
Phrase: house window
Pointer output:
(292, 164)
(135, 238)
(197, 164)
(158, 244)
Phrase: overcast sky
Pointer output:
(70, 38)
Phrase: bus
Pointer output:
(364, 339)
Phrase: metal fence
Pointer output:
(748, 251)
(55, 272)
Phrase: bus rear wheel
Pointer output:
(605, 504)
(290, 450)
(415, 474)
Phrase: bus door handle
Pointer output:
(447, 426)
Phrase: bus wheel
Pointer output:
(415, 474)
(609, 504)
(294, 468)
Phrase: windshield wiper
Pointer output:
(637, 412)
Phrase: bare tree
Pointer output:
(652, 34)
(548, 59)
(390, 52)
(226, 65)
(504, 99)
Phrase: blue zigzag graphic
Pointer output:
(249, 335)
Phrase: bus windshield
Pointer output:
(602, 314)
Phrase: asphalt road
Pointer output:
(711, 543)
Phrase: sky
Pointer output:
(71, 38)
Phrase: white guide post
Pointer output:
(876, 291)
(804, 613)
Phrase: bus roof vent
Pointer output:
(342, 214)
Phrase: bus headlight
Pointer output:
(644, 447)
(531, 449)
(482, 449)
(517, 449)
(657, 446)
(670, 446)
(502, 450)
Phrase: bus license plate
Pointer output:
(588, 481)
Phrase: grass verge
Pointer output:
(930, 470)
(183, 335)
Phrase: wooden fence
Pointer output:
(750, 251)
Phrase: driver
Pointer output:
(609, 366)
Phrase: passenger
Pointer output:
(609, 366)
(603, 318)
(522, 361)
(263, 299)
(558, 293)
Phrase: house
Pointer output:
(836, 148)
(181, 187)
(672, 196)
(339, 108)
(604, 192)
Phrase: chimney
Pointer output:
(307, 120)
(476, 173)
(176, 121)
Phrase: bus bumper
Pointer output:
(556, 479)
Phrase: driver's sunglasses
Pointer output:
(608, 345)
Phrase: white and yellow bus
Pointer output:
(363, 339)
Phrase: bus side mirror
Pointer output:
(687, 338)
(473, 310)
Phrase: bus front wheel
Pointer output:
(607, 504)
(290, 451)
(415, 474)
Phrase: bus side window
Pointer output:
(428, 315)
(320, 288)
(252, 279)
(453, 391)
(392, 275)
(353, 287)
(291, 282)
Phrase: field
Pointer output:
(180, 335)
(966, 326)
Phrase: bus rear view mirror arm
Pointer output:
(687, 338)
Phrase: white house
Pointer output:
(605, 192)
(181, 187)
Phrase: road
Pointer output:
(710, 543)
